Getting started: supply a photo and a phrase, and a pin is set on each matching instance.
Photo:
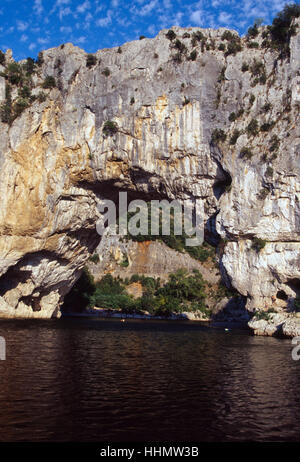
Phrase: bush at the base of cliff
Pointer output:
(182, 292)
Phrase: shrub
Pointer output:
(218, 135)
(269, 171)
(142, 37)
(91, 61)
(186, 101)
(257, 68)
(132, 101)
(6, 107)
(171, 34)
(40, 59)
(20, 105)
(253, 45)
(177, 58)
(119, 50)
(263, 193)
(49, 82)
(180, 46)
(267, 107)
(94, 258)
(233, 47)
(227, 35)
(266, 43)
(24, 92)
(263, 78)
(297, 303)
(253, 31)
(282, 30)
(2, 58)
(275, 143)
(198, 36)
(262, 315)
(232, 117)
(29, 66)
(251, 99)
(252, 127)
(106, 72)
(13, 73)
(110, 128)
(125, 262)
(245, 67)
(265, 127)
(181, 292)
(221, 47)
(222, 75)
(234, 137)
(246, 153)
(155, 55)
(258, 244)
(193, 55)
(41, 97)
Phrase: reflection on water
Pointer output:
(103, 380)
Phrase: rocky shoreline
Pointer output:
(106, 313)
(282, 325)
(276, 325)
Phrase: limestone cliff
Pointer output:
(167, 97)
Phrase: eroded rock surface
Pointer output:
(56, 163)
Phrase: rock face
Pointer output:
(125, 258)
(56, 163)
(277, 325)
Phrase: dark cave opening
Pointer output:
(281, 295)
(294, 284)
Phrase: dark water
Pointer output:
(91, 380)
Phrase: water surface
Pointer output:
(104, 380)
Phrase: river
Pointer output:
(105, 380)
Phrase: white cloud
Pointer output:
(177, 19)
(277, 5)
(60, 3)
(22, 25)
(42, 41)
(216, 3)
(64, 12)
(83, 7)
(65, 30)
(197, 17)
(80, 40)
(146, 9)
(115, 3)
(103, 22)
(224, 17)
(38, 7)
(32, 46)
(151, 29)
(24, 37)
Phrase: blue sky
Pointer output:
(29, 26)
